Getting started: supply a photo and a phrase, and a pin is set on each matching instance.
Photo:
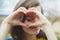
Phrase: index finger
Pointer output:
(18, 12)
(41, 17)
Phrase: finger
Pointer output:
(20, 23)
(15, 22)
(23, 24)
(38, 23)
(33, 9)
(18, 12)
(21, 8)
(41, 17)
(38, 13)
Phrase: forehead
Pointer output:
(32, 4)
(29, 3)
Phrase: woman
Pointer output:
(23, 29)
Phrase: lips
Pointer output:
(34, 27)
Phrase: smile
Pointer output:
(34, 27)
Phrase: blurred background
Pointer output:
(51, 11)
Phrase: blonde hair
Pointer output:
(27, 4)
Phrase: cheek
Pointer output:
(38, 30)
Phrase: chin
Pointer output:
(34, 33)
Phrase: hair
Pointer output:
(17, 32)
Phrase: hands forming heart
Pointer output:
(25, 17)
(28, 17)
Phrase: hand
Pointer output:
(16, 17)
(41, 19)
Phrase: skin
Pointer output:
(40, 23)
